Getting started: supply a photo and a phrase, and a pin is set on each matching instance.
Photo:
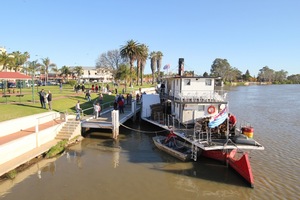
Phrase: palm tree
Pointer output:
(55, 70)
(65, 71)
(18, 60)
(46, 65)
(129, 51)
(78, 70)
(153, 64)
(33, 67)
(5, 60)
(143, 58)
(138, 70)
(159, 56)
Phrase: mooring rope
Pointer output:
(142, 131)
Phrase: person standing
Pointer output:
(46, 99)
(60, 86)
(97, 109)
(232, 122)
(121, 105)
(88, 95)
(78, 110)
(42, 99)
(115, 105)
(77, 88)
(49, 98)
(101, 98)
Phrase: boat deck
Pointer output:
(187, 134)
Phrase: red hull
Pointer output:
(241, 165)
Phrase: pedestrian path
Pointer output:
(28, 131)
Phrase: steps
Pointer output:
(70, 129)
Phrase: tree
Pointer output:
(65, 71)
(247, 76)
(18, 60)
(153, 64)
(138, 68)
(294, 78)
(111, 59)
(33, 67)
(46, 65)
(281, 76)
(130, 51)
(266, 74)
(78, 70)
(233, 74)
(220, 67)
(5, 60)
(55, 70)
(205, 74)
(123, 73)
(143, 58)
(159, 56)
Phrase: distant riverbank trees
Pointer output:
(222, 68)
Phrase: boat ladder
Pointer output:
(194, 152)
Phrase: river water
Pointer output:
(132, 168)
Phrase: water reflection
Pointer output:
(46, 165)
(72, 156)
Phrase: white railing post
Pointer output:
(115, 123)
(133, 110)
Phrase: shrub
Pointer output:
(57, 149)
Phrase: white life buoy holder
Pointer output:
(211, 109)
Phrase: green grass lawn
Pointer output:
(63, 101)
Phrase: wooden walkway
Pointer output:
(105, 120)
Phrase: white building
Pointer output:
(100, 75)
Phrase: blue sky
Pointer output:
(249, 34)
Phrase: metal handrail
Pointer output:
(198, 95)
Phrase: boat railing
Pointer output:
(197, 95)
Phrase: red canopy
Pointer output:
(14, 75)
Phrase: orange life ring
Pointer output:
(211, 109)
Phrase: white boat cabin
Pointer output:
(192, 97)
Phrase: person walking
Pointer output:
(78, 110)
(49, 98)
(42, 99)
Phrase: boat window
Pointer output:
(187, 81)
(208, 81)
(200, 107)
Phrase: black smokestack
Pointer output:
(180, 66)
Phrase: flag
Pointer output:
(218, 119)
(167, 66)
